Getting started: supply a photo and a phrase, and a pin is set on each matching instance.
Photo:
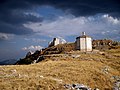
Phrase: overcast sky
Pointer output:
(30, 24)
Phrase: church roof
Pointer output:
(83, 36)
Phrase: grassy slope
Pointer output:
(88, 69)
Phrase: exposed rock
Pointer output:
(76, 87)
(29, 54)
(96, 89)
(116, 78)
(117, 85)
(75, 56)
(106, 70)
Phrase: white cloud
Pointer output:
(111, 19)
(33, 14)
(38, 40)
(66, 26)
(4, 36)
(103, 33)
(32, 48)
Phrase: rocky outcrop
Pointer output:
(104, 44)
(61, 48)
(31, 58)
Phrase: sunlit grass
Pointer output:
(88, 69)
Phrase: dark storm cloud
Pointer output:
(12, 18)
(82, 7)
(12, 22)
(86, 7)
(13, 29)
(17, 17)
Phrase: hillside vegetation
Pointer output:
(94, 69)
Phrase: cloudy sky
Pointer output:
(30, 24)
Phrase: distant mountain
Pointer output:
(8, 62)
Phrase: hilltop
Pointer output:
(96, 69)
(38, 56)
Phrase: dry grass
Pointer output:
(115, 52)
(88, 69)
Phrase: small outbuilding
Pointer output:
(83, 43)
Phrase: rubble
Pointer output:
(117, 85)
(75, 56)
(76, 87)
(117, 78)
(96, 89)
(106, 70)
